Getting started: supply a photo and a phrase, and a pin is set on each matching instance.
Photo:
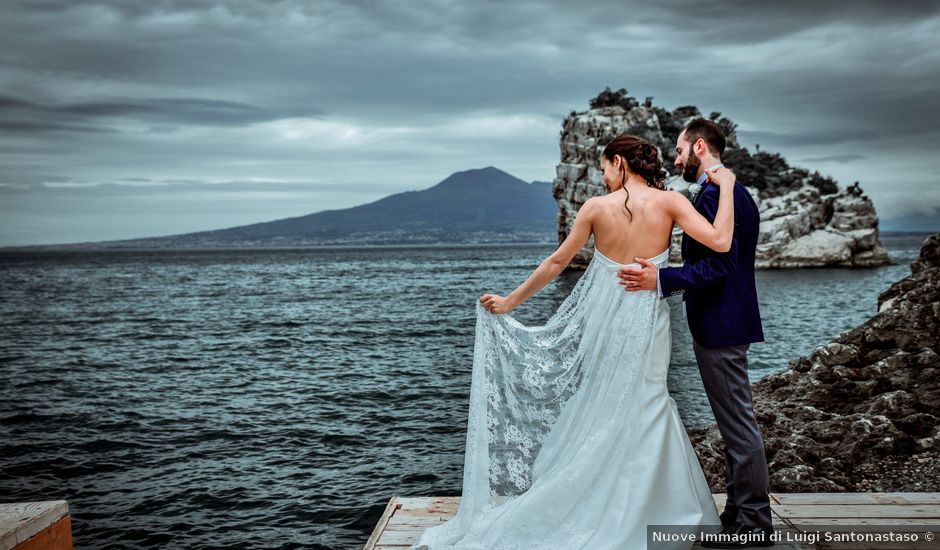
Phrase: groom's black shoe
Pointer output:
(727, 529)
(728, 517)
(738, 535)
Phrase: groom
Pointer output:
(721, 305)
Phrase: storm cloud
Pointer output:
(244, 111)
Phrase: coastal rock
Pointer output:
(806, 219)
(817, 248)
(804, 228)
(861, 413)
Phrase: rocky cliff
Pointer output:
(807, 220)
(861, 413)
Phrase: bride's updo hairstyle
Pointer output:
(642, 159)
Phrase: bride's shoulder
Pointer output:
(602, 203)
(589, 208)
(667, 195)
(595, 202)
(670, 201)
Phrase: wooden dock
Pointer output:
(43, 525)
(799, 514)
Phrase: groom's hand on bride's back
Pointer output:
(644, 278)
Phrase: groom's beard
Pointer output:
(690, 170)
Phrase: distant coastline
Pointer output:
(81, 248)
(95, 247)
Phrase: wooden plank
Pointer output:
(383, 520)
(857, 498)
(778, 521)
(413, 516)
(420, 515)
(919, 545)
(797, 511)
(407, 522)
(415, 529)
(791, 512)
(842, 524)
(432, 504)
(19, 521)
(57, 536)
(420, 503)
(815, 539)
(431, 512)
(393, 538)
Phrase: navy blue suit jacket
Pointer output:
(718, 288)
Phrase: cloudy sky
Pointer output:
(123, 119)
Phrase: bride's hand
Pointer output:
(494, 303)
(722, 176)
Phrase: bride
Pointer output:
(573, 441)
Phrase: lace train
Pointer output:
(572, 439)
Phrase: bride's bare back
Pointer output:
(645, 235)
(624, 238)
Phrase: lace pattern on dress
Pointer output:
(528, 416)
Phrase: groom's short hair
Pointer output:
(714, 137)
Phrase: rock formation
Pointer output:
(806, 219)
(860, 413)
(807, 228)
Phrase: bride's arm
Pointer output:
(717, 235)
(550, 267)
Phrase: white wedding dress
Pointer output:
(573, 441)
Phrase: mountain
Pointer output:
(481, 205)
